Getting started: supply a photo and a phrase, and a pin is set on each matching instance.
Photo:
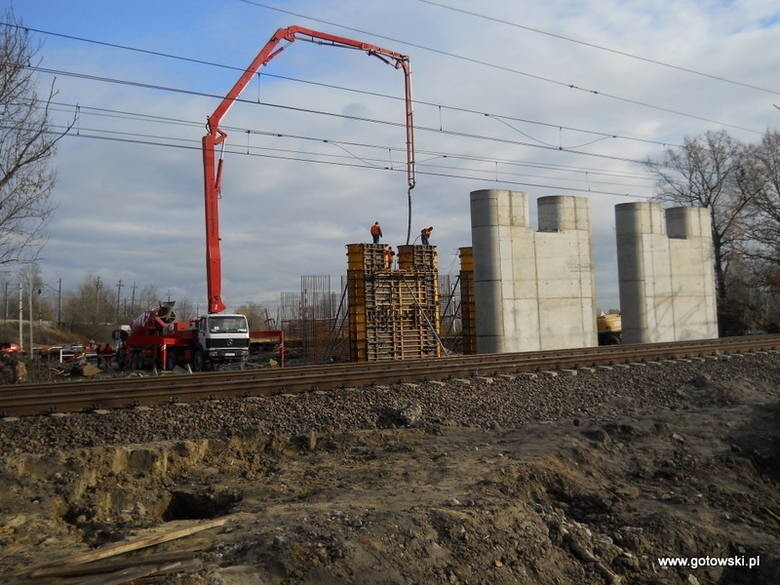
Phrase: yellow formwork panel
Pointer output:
(366, 257)
(466, 259)
(467, 307)
(468, 312)
(423, 258)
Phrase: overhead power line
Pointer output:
(69, 108)
(601, 47)
(496, 174)
(507, 69)
(588, 176)
(445, 53)
(441, 106)
(156, 141)
(333, 114)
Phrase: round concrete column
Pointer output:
(557, 213)
(639, 218)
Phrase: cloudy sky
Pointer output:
(554, 97)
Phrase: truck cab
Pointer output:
(222, 338)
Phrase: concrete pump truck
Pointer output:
(157, 338)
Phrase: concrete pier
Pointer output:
(666, 273)
(533, 289)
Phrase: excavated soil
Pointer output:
(585, 479)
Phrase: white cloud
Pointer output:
(134, 211)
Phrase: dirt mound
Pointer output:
(595, 503)
(611, 495)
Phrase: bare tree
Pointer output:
(765, 206)
(705, 172)
(257, 315)
(149, 298)
(26, 147)
(763, 245)
(92, 303)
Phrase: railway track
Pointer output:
(37, 399)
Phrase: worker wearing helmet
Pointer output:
(425, 233)
(376, 232)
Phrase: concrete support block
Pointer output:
(533, 289)
(666, 273)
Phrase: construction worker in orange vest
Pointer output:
(389, 255)
(425, 233)
(376, 232)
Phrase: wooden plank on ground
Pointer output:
(112, 565)
(120, 548)
(130, 574)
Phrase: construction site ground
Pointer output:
(585, 479)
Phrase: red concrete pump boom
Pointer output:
(212, 170)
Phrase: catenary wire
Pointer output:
(586, 174)
(324, 113)
(506, 69)
(123, 114)
(159, 143)
(431, 49)
(600, 47)
(340, 87)
(375, 163)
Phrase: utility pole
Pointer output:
(132, 302)
(59, 302)
(98, 286)
(21, 314)
(30, 300)
(118, 297)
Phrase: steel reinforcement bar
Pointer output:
(36, 399)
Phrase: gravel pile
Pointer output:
(500, 402)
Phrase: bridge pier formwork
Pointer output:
(393, 313)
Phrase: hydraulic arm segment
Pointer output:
(212, 170)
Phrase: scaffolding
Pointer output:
(393, 313)
(449, 306)
(309, 317)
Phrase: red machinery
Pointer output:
(154, 321)
(154, 338)
(212, 170)
(157, 339)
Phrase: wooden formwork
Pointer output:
(467, 310)
(366, 257)
(422, 258)
(393, 314)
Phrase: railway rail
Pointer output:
(64, 397)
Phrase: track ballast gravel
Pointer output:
(490, 403)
